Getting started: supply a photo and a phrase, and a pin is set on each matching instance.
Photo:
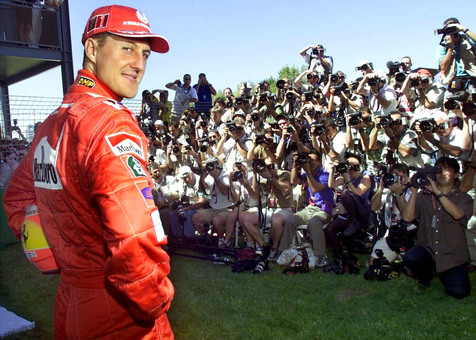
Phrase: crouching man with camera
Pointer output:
(320, 200)
(442, 211)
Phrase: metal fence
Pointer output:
(25, 111)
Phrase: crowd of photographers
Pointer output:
(391, 150)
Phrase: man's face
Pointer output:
(227, 92)
(443, 128)
(188, 179)
(202, 78)
(407, 64)
(447, 176)
(120, 64)
(314, 162)
(403, 178)
(187, 80)
(216, 116)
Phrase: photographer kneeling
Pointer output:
(354, 198)
(442, 211)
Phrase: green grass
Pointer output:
(211, 302)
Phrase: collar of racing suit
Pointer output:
(88, 82)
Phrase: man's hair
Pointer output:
(315, 152)
(328, 122)
(407, 57)
(400, 167)
(186, 75)
(201, 74)
(448, 162)
(216, 110)
(101, 40)
(219, 100)
(451, 20)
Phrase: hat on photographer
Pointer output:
(184, 171)
(158, 122)
(239, 113)
(380, 74)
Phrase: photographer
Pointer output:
(332, 143)
(420, 91)
(275, 187)
(317, 60)
(205, 91)
(9, 164)
(208, 149)
(442, 211)
(289, 142)
(354, 197)
(184, 95)
(235, 149)
(216, 184)
(388, 201)
(382, 98)
(164, 106)
(186, 197)
(457, 59)
(307, 170)
(263, 147)
(216, 122)
(365, 67)
(445, 139)
(158, 191)
(312, 77)
(400, 141)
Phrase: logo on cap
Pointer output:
(142, 17)
(98, 21)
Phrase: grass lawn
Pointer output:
(211, 302)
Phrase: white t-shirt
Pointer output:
(216, 199)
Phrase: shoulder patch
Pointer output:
(123, 143)
(146, 193)
(134, 166)
(85, 81)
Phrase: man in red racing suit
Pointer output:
(86, 172)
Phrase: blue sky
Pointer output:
(251, 40)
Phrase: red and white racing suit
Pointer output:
(86, 171)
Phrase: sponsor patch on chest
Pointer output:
(123, 143)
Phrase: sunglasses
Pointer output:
(443, 126)
(354, 167)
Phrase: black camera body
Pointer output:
(381, 269)
(447, 30)
(427, 124)
(453, 99)
(258, 165)
(255, 116)
(318, 129)
(239, 100)
(342, 167)
(373, 81)
(308, 95)
(420, 178)
(385, 121)
(355, 118)
(469, 109)
(237, 175)
(280, 84)
(400, 77)
(338, 89)
(415, 82)
(302, 158)
(334, 78)
(389, 179)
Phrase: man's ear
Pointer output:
(91, 49)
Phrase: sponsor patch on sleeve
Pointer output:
(85, 81)
(123, 143)
(146, 193)
(159, 230)
(133, 166)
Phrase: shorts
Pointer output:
(269, 212)
(209, 214)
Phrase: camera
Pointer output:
(338, 89)
(389, 179)
(255, 116)
(364, 67)
(373, 81)
(280, 84)
(289, 95)
(290, 129)
(400, 77)
(427, 124)
(179, 206)
(334, 78)
(453, 99)
(393, 66)
(385, 121)
(355, 118)
(263, 97)
(342, 167)
(258, 165)
(340, 120)
(415, 82)
(446, 30)
(381, 269)
(239, 100)
(420, 178)
(210, 166)
(308, 95)
(237, 175)
(204, 145)
(302, 158)
(318, 129)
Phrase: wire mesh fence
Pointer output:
(26, 111)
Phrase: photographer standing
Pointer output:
(421, 92)
(184, 95)
(317, 60)
(205, 91)
(442, 211)
(382, 98)
(457, 58)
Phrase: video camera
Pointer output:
(393, 66)
(420, 178)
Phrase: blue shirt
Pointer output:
(323, 199)
(204, 103)
(460, 71)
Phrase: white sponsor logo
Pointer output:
(141, 16)
(124, 143)
(159, 230)
(45, 173)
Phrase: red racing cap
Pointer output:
(125, 22)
